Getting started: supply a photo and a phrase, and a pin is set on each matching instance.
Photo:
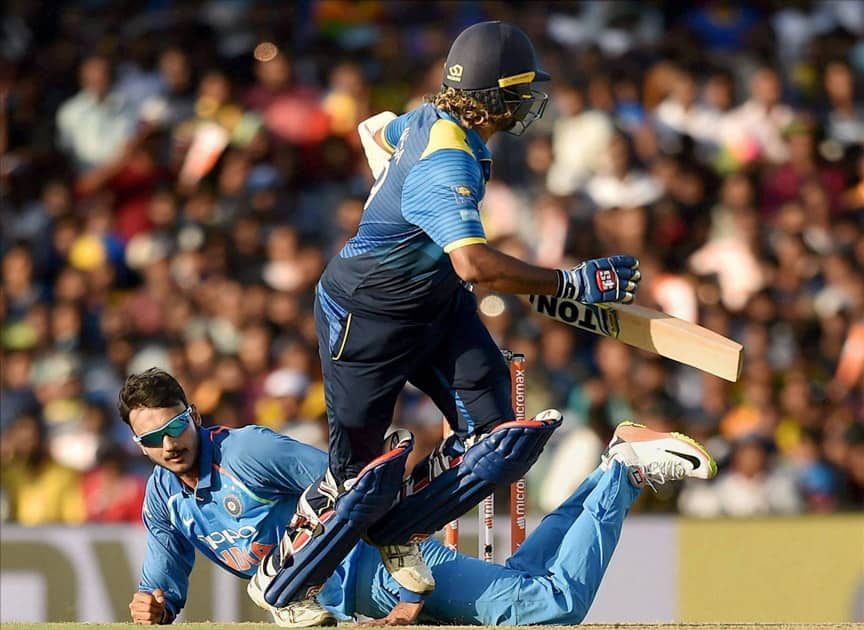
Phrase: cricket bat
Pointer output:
(650, 330)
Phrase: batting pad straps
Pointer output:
(445, 488)
(313, 554)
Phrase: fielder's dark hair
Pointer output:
(153, 389)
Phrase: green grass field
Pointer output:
(590, 626)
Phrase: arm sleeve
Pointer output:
(393, 131)
(276, 464)
(169, 557)
(442, 196)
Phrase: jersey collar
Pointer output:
(206, 445)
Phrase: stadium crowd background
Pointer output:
(721, 144)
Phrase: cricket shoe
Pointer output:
(660, 457)
(300, 614)
(407, 566)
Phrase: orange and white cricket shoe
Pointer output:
(662, 457)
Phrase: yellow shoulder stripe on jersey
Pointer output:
(516, 79)
(462, 242)
(383, 135)
(446, 135)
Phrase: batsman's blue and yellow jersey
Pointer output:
(249, 481)
(424, 205)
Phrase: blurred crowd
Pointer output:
(176, 175)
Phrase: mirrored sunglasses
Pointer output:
(174, 427)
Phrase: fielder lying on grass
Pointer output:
(228, 493)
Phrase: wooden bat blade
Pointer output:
(680, 340)
(650, 330)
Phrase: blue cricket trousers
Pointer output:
(367, 360)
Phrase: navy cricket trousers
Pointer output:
(366, 362)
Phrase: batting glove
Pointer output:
(613, 279)
(376, 156)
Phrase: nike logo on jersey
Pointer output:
(690, 458)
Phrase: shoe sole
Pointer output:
(325, 620)
(321, 622)
(712, 465)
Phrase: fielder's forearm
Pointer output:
(496, 271)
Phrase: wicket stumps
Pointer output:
(518, 498)
(518, 489)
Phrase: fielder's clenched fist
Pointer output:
(148, 608)
(612, 279)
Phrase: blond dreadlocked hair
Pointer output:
(469, 111)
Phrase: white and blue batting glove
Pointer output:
(612, 279)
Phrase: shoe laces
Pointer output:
(294, 611)
(399, 553)
(306, 604)
(657, 473)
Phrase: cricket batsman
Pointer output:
(228, 493)
(392, 307)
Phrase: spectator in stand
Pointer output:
(761, 120)
(16, 391)
(93, 125)
(619, 183)
(580, 139)
(290, 110)
(347, 101)
(174, 102)
(683, 113)
(111, 494)
(753, 485)
(844, 117)
(180, 218)
(803, 166)
(39, 490)
(21, 291)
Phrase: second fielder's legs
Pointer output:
(553, 578)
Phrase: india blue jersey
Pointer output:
(249, 482)
(424, 205)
